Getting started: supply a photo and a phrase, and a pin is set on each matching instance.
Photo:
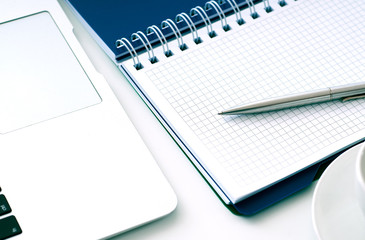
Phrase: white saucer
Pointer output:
(335, 210)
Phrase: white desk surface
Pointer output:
(199, 214)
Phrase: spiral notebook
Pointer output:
(221, 54)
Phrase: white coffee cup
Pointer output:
(360, 178)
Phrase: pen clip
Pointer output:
(358, 96)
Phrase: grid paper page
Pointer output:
(311, 45)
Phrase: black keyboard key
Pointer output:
(4, 205)
(9, 227)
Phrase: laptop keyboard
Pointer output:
(9, 226)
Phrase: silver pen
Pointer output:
(344, 92)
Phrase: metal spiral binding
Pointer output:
(124, 42)
(253, 12)
(268, 8)
(190, 24)
(161, 37)
(200, 11)
(220, 12)
(168, 23)
(236, 10)
(142, 37)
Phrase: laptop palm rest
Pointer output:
(56, 87)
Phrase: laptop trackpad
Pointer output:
(40, 77)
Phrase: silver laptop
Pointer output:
(72, 164)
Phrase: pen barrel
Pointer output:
(347, 90)
(295, 100)
(344, 92)
(278, 103)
